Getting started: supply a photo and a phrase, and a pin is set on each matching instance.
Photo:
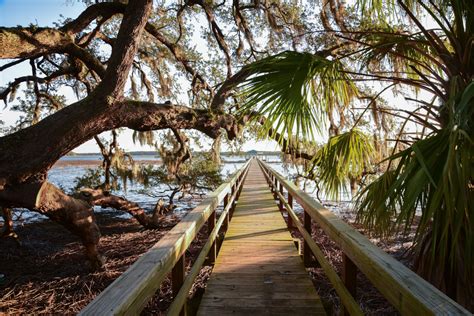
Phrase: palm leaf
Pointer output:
(294, 90)
(382, 9)
(433, 180)
(344, 156)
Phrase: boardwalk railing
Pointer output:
(129, 293)
(405, 290)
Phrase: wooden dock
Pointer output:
(258, 269)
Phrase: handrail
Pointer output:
(180, 298)
(346, 298)
(129, 293)
(405, 290)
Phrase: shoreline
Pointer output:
(96, 163)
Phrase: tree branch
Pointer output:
(103, 9)
(32, 42)
(12, 85)
(41, 145)
(126, 45)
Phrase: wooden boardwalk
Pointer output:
(258, 269)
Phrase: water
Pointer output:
(99, 157)
(342, 207)
(64, 177)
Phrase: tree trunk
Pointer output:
(27, 155)
(354, 183)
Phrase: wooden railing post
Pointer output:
(349, 277)
(225, 225)
(211, 223)
(177, 279)
(232, 208)
(290, 203)
(307, 255)
(405, 290)
(281, 202)
(240, 185)
(275, 187)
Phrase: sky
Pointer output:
(44, 13)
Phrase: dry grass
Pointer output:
(48, 272)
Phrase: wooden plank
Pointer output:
(275, 246)
(263, 267)
(294, 260)
(181, 297)
(257, 278)
(132, 290)
(403, 288)
(211, 223)
(258, 266)
(249, 236)
(262, 292)
(290, 203)
(270, 311)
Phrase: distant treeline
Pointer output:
(157, 154)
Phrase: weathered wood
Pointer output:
(290, 203)
(180, 298)
(346, 298)
(275, 188)
(177, 279)
(258, 268)
(307, 255)
(252, 307)
(211, 223)
(225, 226)
(280, 205)
(231, 213)
(405, 290)
(349, 277)
(132, 290)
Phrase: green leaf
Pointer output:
(344, 156)
(293, 90)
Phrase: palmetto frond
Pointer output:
(294, 90)
(388, 10)
(343, 156)
(432, 179)
(397, 52)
